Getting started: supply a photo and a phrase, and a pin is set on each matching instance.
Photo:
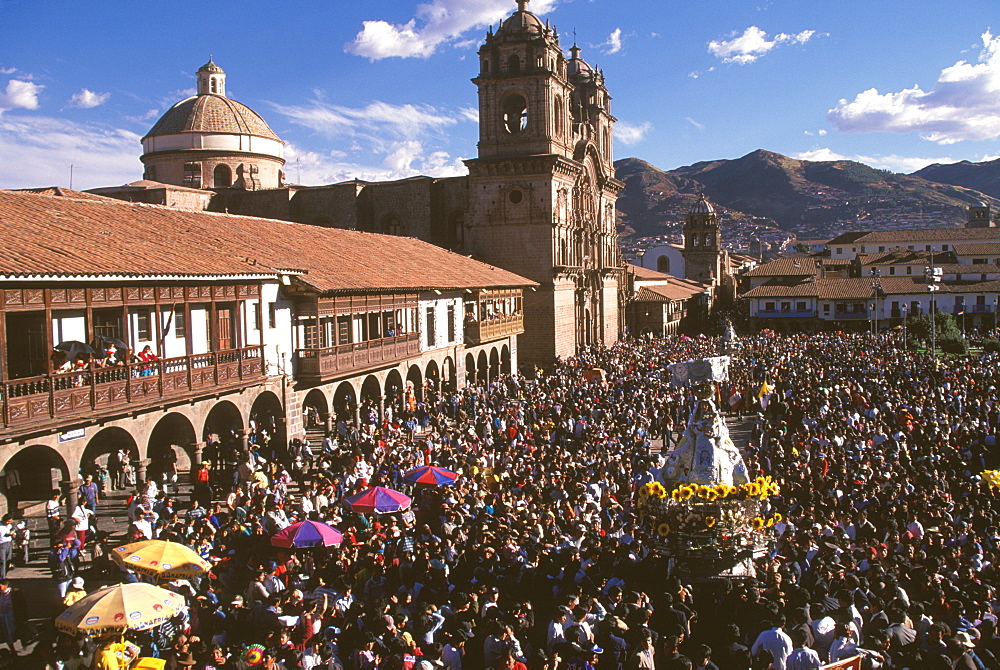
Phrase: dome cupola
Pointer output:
(212, 141)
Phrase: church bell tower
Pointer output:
(542, 190)
(703, 253)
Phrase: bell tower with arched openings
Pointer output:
(542, 190)
(704, 257)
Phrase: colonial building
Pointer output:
(662, 304)
(701, 258)
(248, 318)
(539, 200)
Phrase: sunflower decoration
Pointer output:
(711, 495)
(703, 491)
(757, 523)
(777, 517)
(710, 521)
(658, 490)
(663, 529)
(753, 489)
(721, 491)
(647, 489)
(676, 495)
(992, 478)
(686, 492)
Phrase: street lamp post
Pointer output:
(876, 288)
(933, 278)
(904, 327)
(995, 301)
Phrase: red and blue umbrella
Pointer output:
(430, 475)
(379, 500)
(307, 534)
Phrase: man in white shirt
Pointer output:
(775, 641)
(81, 523)
(802, 657)
(6, 543)
(53, 512)
(145, 523)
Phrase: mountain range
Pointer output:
(807, 199)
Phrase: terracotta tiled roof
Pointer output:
(668, 292)
(645, 295)
(61, 192)
(859, 288)
(834, 262)
(957, 269)
(146, 185)
(783, 290)
(645, 273)
(211, 114)
(917, 235)
(982, 249)
(799, 266)
(906, 257)
(44, 235)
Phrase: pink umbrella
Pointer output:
(307, 534)
(379, 500)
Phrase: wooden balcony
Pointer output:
(91, 393)
(319, 365)
(478, 332)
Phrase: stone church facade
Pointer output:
(539, 199)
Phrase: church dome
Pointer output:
(212, 114)
(522, 23)
(211, 141)
(702, 206)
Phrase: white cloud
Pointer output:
(752, 44)
(374, 121)
(86, 99)
(891, 162)
(8, 70)
(20, 94)
(38, 151)
(400, 160)
(962, 105)
(821, 132)
(629, 134)
(146, 116)
(470, 114)
(699, 126)
(437, 23)
(614, 43)
(824, 154)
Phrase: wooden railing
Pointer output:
(97, 390)
(315, 365)
(477, 332)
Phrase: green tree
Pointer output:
(945, 325)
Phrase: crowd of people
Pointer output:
(536, 558)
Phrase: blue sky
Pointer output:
(379, 89)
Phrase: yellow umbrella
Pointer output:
(115, 609)
(160, 558)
